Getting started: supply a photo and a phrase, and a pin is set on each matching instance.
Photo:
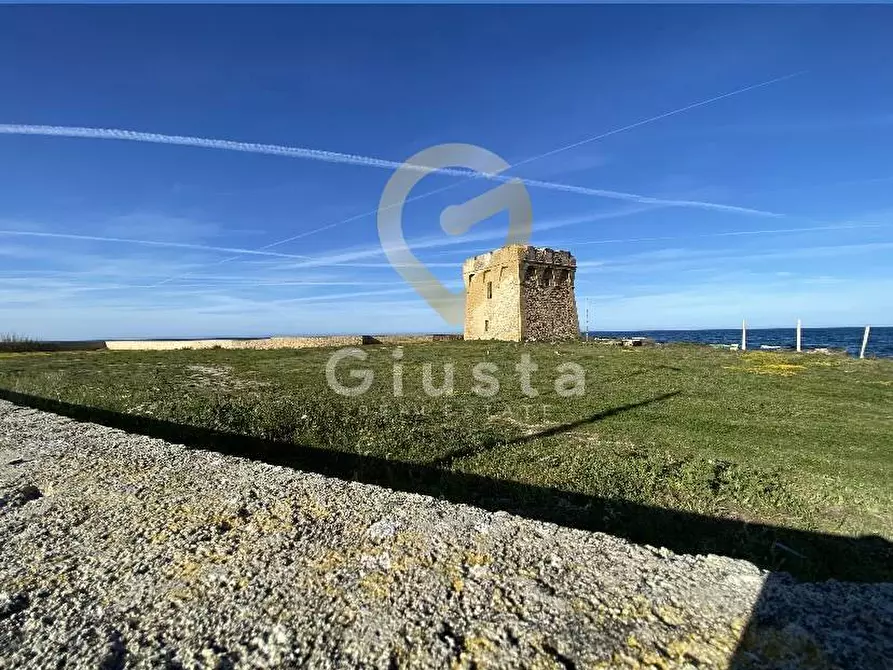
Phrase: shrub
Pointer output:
(15, 342)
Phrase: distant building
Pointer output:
(519, 293)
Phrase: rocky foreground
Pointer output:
(119, 550)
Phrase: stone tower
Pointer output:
(520, 293)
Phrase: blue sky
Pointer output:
(112, 238)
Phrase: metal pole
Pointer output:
(798, 336)
(744, 335)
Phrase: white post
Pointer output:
(864, 341)
(744, 335)
(798, 336)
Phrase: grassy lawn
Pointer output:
(794, 441)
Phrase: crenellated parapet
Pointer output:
(549, 256)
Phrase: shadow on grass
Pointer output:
(557, 430)
(449, 459)
(806, 555)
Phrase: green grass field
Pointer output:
(792, 441)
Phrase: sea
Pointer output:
(880, 340)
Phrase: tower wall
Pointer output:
(519, 292)
(548, 304)
(498, 316)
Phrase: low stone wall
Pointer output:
(276, 342)
(168, 345)
(308, 342)
(262, 343)
(409, 339)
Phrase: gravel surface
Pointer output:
(119, 550)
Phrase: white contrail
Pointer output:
(352, 159)
(329, 156)
(152, 243)
(674, 112)
(203, 142)
(736, 233)
(615, 131)
(531, 159)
